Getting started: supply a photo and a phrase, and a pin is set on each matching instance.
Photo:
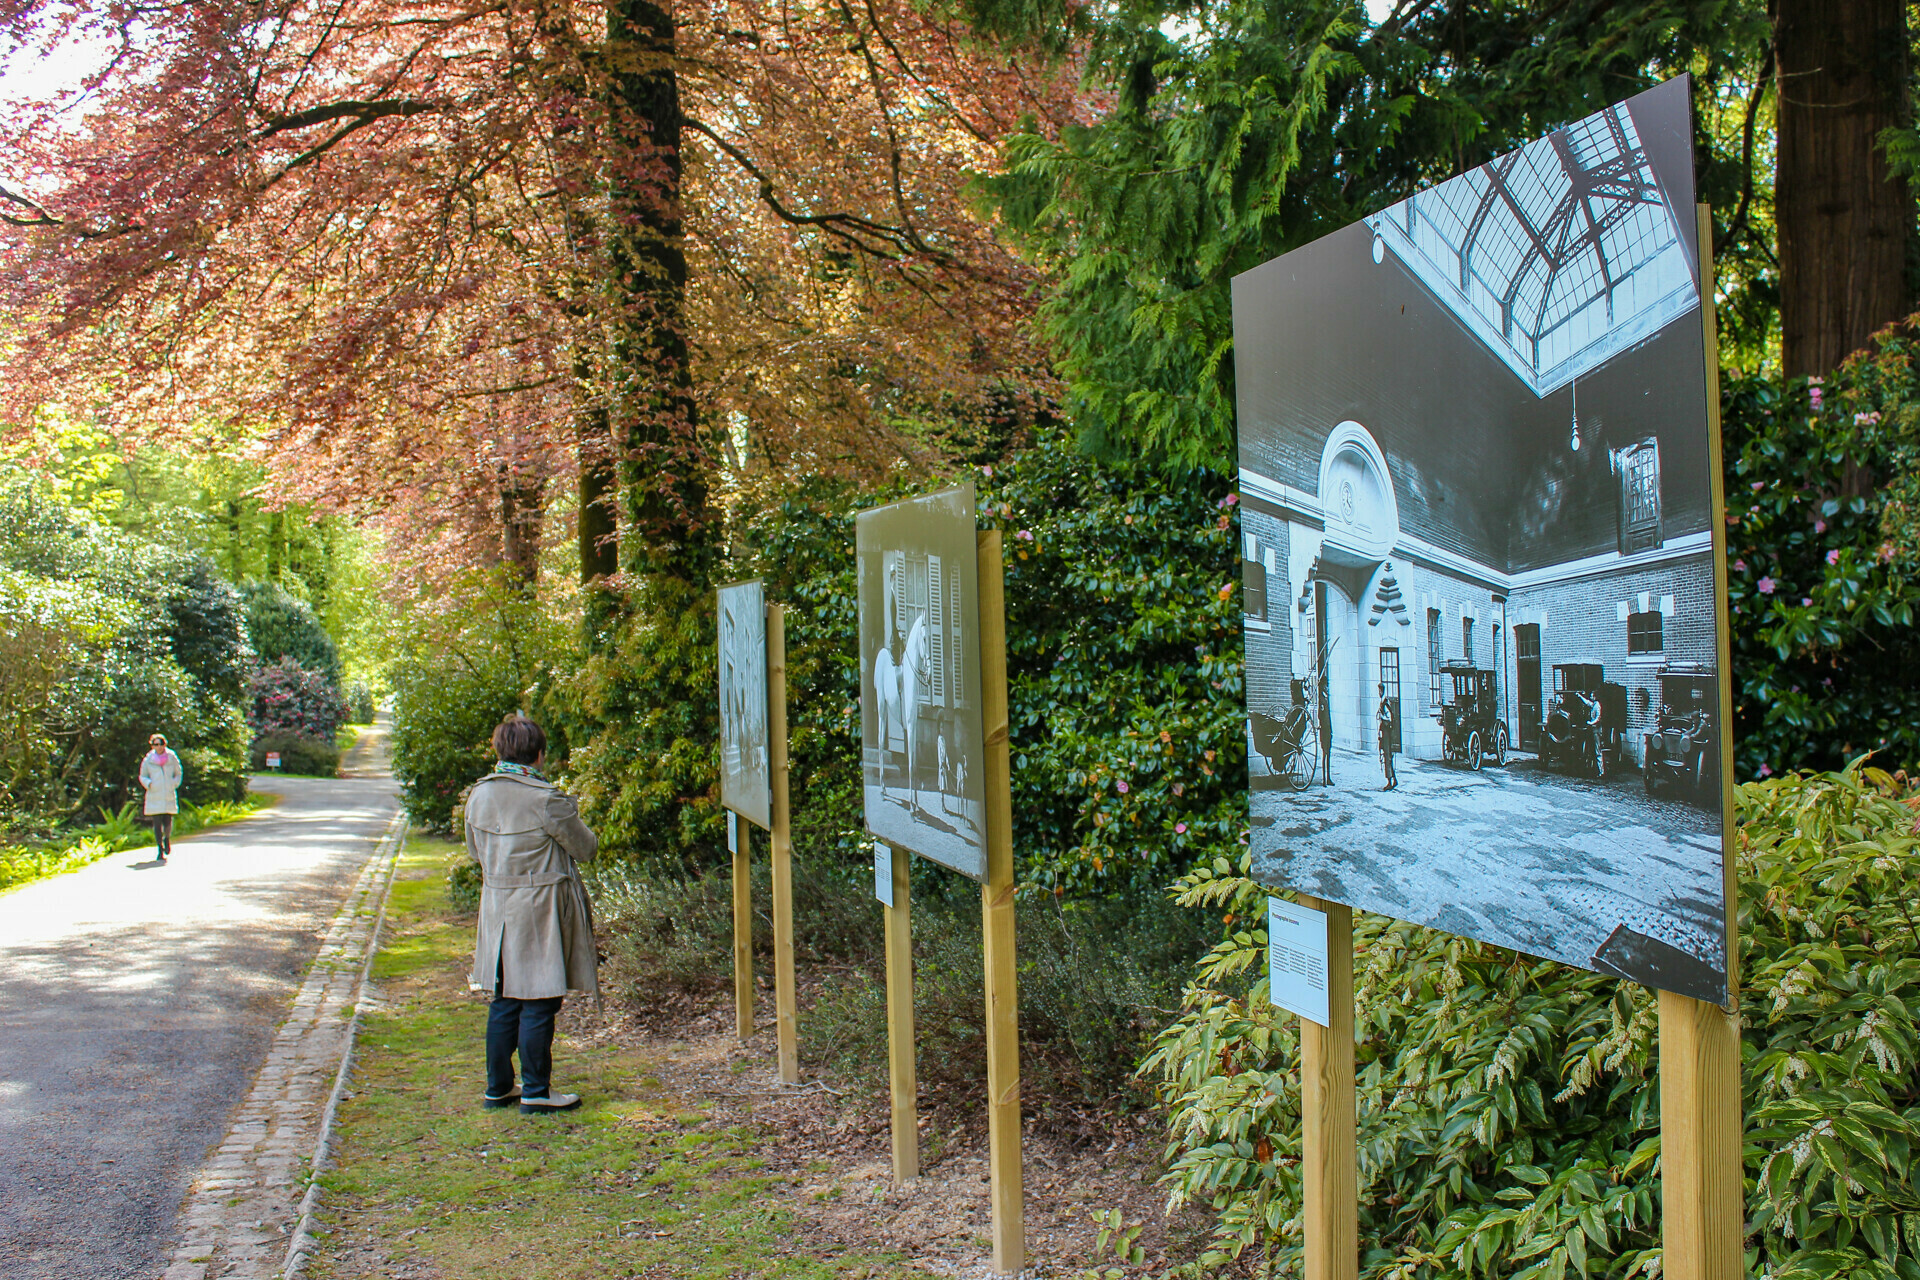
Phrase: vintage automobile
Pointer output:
(1574, 738)
(1471, 730)
(1684, 748)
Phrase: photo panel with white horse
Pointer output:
(1479, 528)
(743, 703)
(920, 728)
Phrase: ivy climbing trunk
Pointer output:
(1845, 220)
(663, 467)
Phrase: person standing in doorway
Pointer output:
(160, 777)
(535, 940)
(1388, 723)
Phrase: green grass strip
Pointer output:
(636, 1182)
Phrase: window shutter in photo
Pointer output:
(936, 633)
(956, 618)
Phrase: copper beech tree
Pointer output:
(439, 262)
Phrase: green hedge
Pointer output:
(1509, 1107)
(1124, 671)
(299, 754)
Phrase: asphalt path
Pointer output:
(138, 1000)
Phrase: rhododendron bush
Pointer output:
(1824, 564)
(285, 697)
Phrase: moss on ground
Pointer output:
(635, 1182)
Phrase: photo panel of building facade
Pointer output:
(1479, 537)
(743, 703)
(920, 726)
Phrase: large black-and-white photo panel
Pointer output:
(743, 703)
(1479, 532)
(920, 727)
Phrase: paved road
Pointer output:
(136, 1003)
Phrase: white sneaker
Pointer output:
(550, 1103)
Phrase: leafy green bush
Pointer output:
(1822, 594)
(1123, 670)
(360, 708)
(464, 882)
(283, 628)
(105, 639)
(299, 754)
(458, 666)
(1508, 1106)
(1096, 982)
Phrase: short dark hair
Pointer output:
(519, 740)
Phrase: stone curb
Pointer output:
(302, 1245)
(247, 1199)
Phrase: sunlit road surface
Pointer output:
(136, 1003)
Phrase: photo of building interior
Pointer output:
(1476, 487)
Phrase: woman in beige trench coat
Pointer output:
(535, 940)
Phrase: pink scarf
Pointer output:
(158, 756)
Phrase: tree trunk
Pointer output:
(523, 495)
(1844, 220)
(599, 481)
(662, 464)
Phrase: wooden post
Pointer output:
(903, 1076)
(1701, 1188)
(1329, 1175)
(786, 1023)
(996, 903)
(742, 926)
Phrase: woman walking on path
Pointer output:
(536, 925)
(160, 776)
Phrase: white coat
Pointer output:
(162, 782)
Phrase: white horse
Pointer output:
(896, 687)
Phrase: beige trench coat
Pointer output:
(536, 924)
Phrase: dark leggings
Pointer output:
(163, 832)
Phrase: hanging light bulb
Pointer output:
(1574, 441)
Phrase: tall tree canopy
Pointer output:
(435, 258)
(1245, 128)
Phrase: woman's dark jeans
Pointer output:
(163, 833)
(526, 1025)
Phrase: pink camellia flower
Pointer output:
(1833, 557)
(1866, 419)
(1766, 771)
(1122, 786)
(987, 472)
(1739, 566)
(1758, 485)
(1806, 602)
(1179, 788)
(1766, 586)
(1179, 828)
(1886, 553)
(1819, 526)
(1025, 535)
(1233, 498)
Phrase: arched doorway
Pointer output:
(1344, 663)
(1360, 523)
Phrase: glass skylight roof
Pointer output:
(1558, 256)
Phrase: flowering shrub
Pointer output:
(1824, 570)
(1509, 1107)
(287, 697)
